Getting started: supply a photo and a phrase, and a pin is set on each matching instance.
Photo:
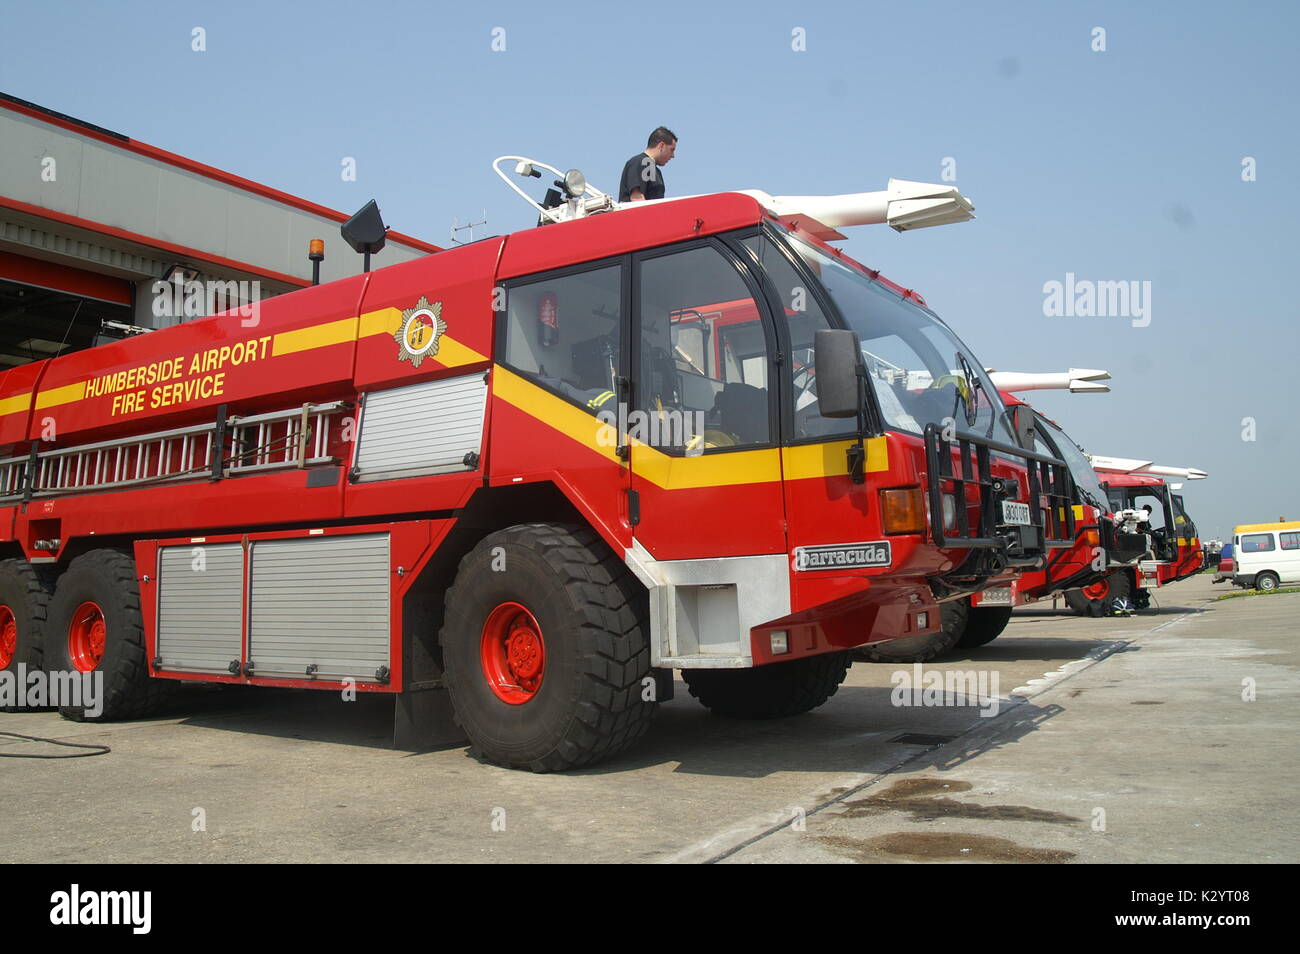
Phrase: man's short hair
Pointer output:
(662, 134)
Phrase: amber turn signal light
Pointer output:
(902, 511)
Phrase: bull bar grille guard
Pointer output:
(1049, 477)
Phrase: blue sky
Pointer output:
(1117, 165)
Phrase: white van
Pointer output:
(1267, 555)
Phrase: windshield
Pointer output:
(920, 372)
(1085, 478)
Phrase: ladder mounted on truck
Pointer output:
(279, 440)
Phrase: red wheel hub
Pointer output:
(86, 635)
(1098, 590)
(8, 637)
(513, 653)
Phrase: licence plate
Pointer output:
(998, 596)
(1013, 512)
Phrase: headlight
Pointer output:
(949, 512)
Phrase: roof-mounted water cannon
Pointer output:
(1126, 465)
(903, 206)
(571, 198)
(1075, 380)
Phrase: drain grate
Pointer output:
(919, 738)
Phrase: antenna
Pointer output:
(470, 226)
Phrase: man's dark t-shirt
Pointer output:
(640, 172)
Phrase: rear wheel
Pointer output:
(1267, 582)
(546, 646)
(95, 626)
(985, 624)
(24, 604)
(953, 617)
(1096, 599)
(773, 691)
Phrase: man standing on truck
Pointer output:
(642, 180)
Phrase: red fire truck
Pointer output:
(1145, 503)
(442, 479)
(1096, 546)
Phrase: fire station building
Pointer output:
(91, 220)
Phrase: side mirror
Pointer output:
(838, 356)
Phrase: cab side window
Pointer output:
(565, 333)
(803, 318)
(703, 375)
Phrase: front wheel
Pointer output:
(986, 624)
(1097, 599)
(773, 691)
(953, 618)
(546, 648)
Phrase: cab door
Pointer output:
(556, 388)
(702, 427)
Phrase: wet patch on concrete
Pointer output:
(941, 846)
(918, 797)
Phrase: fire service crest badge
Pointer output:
(417, 336)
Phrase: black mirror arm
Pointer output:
(857, 452)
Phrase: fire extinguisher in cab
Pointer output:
(548, 319)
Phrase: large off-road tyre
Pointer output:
(24, 603)
(546, 647)
(985, 624)
(773, 691)
(95, 626)
(953, 616)
(1096, 599)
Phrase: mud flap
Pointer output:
(423, 720)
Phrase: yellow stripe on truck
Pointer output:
(671, 472)
(314, 336)
(64, 395)
(12, 405)
(828, 460)
(554, 412)
(662, 470)
(707, 470)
